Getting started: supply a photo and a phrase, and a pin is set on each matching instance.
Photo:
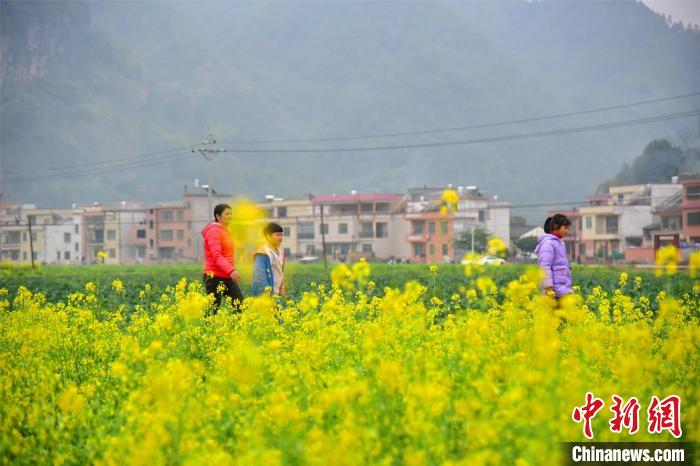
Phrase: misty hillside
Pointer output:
(91, 84)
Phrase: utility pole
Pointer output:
(323, 243)
(31, 239)
(209, 152)
(472, 240)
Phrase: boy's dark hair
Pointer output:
(555, 222)
(271, 228)
(219, 209)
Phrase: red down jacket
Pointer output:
(218, 251)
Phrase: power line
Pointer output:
(513, 137)
(345, 138)
(98, 163)
(558, 132)
(99, 171)
(467, 127)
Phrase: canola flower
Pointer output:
(246, 229)
(449, 201)
(667, 259)
(342, 376)
(496, 247)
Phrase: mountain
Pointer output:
(658, 163)
(95, 83)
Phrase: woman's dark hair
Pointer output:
(219, 209)
(271, 228)
(555, 222)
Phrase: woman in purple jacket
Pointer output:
(552, 257)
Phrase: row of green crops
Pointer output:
(58, 282)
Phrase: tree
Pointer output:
(659, 161)
(527, 244)
(481, 239)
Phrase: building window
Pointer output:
(671, 222)
(381, 230)
(431, 248)
(166, 235)
(582, 249)
(443, 227)
(383, 207)
(693, 192)
(306, 231)
(445, 249)
(66, 238)
(99, 236)
(150, 242)
(693, 218)
(140, 233)
(611, 224)
(366, 230)
(287, 232)
(34, 237)
(310, 250)
(431, 228)
(189, 242)
(111, 235)
(24, 255)
(166, 215)
(66, 255)
(366, 208)
(342, 228)
(282, 212)
(287, 252)
(58, 255)
(180, 215)
(181, 235)
(77, 229)
(419, 250)
(24, 236)
(367, 248)
(77, 247)
(150, 224)
(589, 222)
(112, 253)
(482, 216)
(607, 224)
(323, 228)
(418, 228)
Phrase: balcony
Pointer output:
(417, 238)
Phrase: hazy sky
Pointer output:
(687, 11)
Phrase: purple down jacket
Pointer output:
(554, 262)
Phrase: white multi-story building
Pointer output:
(62, 239)
(354, 225)
(474, 210)
(614, 222)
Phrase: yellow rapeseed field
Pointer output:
(345, 375)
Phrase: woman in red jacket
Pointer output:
(220, 275)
